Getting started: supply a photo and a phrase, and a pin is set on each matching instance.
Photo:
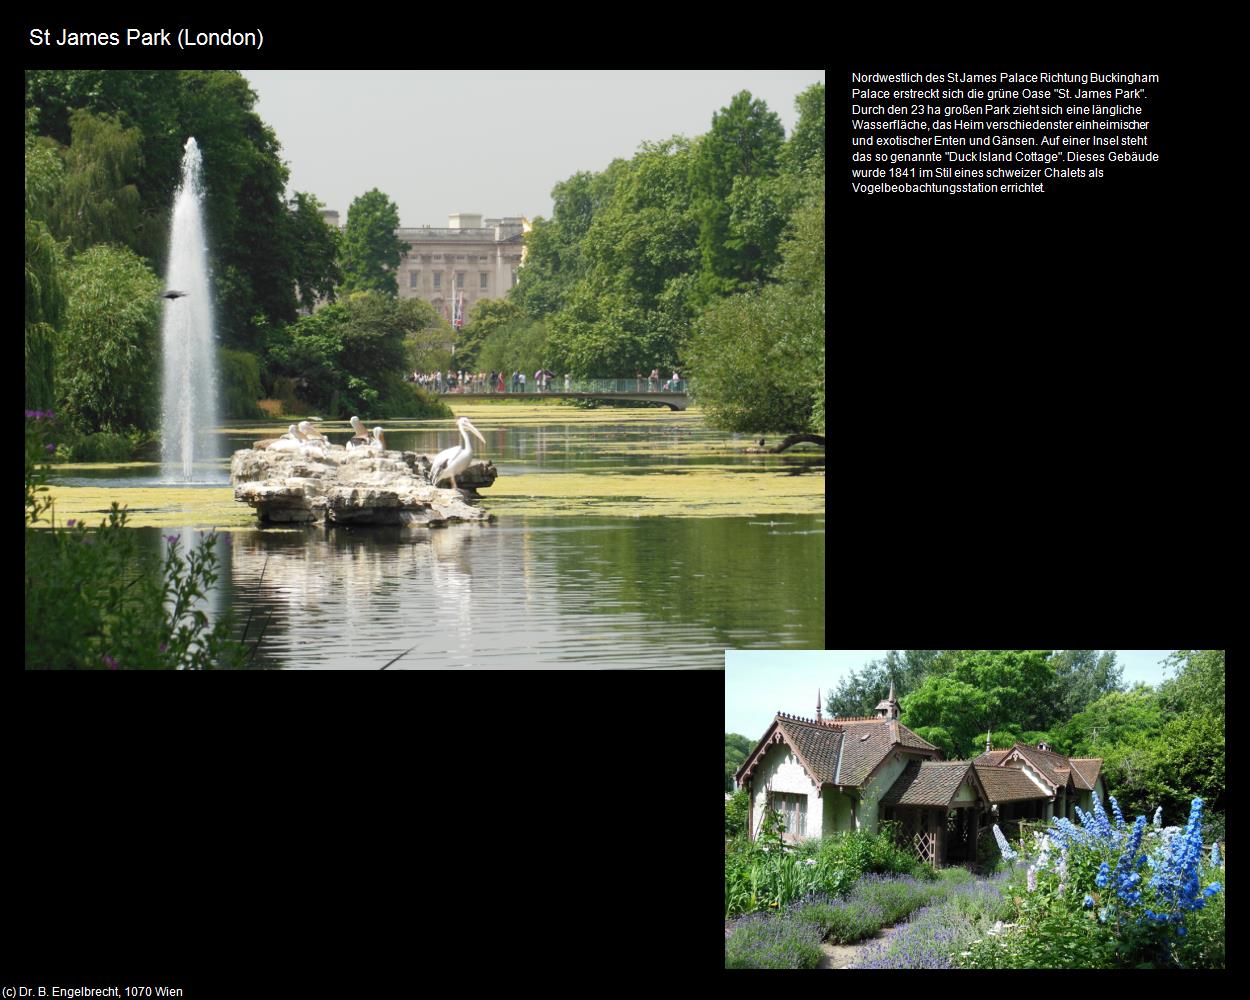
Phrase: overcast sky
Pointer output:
(759, 684)
(493, 142)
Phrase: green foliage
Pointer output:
(743, 143)
(45, 276)
(1115, 717)
(844, 923)
(631, 308)
(314, 247)
(106, 356)
(895, 899)
(737, 810)
(1061, 939)
(783, 942)
(1203, 947)
(488, 316)
(1185, 761)
(758, 360)
(349, 357)
(105, 446)
(804, 151)
(96, 599)
(97, 200)
(521, 346)
(1198, 686)
(240, 384)
(1082, 676)
(371, 252)
(244, 175)
(736, 749)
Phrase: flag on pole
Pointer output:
(458, 321)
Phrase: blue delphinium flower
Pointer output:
(1101, 879)
(1215, 854)
(1115, 808)
(1159, 817)
(1003, 846)
(1089, 901)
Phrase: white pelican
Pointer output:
(379, 441)
(362, 439)
(289, 441)
(309, 433)
(452, 461)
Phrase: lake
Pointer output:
(623, 538)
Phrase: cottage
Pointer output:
(825, 776)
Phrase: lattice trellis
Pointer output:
(925, 846)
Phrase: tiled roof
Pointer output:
(1086, 769)
(991, 757)
(841, 755)
(1007, 784)
(817, 745)
(905, 736)
(927, 783)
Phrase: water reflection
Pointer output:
(526, 592)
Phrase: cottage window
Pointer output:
(794, 808)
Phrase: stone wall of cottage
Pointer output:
(839, 812)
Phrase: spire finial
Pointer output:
(987, 741)
(818, 719)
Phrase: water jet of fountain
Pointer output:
(189, 400)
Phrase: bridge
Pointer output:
(675, 396)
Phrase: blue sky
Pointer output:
(759, 683)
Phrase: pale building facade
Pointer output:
(477, 257)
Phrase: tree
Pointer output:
(45, 282)
(488, 316)
(554, 258)
(631, 309)
(1199, 682)
(758, 360)
(736, 749)
(348, 357)
(804, 151)
(744, 142)
(97, 201)
(107, 378)
(371, 252)
(1082, 676)
(1116, 717)
(315, 248)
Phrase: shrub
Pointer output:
(240, 384)
(736, 811)
(845, 922)
(95, 599)
(773, 942)
(895, 897)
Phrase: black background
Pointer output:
(1026, 407)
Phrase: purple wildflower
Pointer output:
(110, 662)
(70, 523)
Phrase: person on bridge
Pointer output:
(653, 379)
(566, 381)
(521, 375)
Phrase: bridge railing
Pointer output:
(621, 386)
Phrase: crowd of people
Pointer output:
(517, 381)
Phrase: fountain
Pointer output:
(189, 400)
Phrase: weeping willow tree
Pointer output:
(45, 285)
(95, 202)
